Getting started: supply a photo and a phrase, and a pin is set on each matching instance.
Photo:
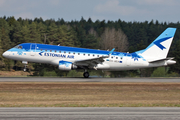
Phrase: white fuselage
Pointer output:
(114, 62)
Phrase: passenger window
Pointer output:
(41, 49)
(50, 50)
(64, 52)
(112, 57)
(74, 53)
(116, 57)
(55, 51)
(46, 50)
(97, 55)
(59, 51)
(69, 52)
(88, 54)
(93, 55)
(84, 54)
(78, 53)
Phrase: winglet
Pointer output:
(111, 51)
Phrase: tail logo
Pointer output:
(158, 42)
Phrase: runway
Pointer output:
(49, 79)
(128, 113)
(81, 113)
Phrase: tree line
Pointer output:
(105, 35)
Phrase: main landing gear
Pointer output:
(86, 74)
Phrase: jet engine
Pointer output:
(65, 65)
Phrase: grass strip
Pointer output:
(86, 94)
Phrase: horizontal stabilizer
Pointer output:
(161, 60)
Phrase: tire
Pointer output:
(86, 74)
(24, 69)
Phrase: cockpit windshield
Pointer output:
(18, 47)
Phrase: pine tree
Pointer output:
(16, 33)
(5, 43)
(34, 34)
(52, 33)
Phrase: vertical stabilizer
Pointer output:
(159, 48)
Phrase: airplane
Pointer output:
(70, 58)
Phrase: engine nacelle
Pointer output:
(65, 65)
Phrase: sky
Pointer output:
(126, 10)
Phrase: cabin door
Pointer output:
(33, 49)
(128, 59)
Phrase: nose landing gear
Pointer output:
(25, 68)
(25, 65)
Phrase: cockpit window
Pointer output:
(18, 46)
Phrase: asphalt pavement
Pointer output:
(91, 113)
(51, 79)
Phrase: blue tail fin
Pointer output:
(159, 48)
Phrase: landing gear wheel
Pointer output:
(86, 74)
(25, 68)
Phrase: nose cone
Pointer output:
(5, 54)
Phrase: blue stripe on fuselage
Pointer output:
(67, 49)
(26, 46)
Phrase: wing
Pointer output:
(91, 63)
